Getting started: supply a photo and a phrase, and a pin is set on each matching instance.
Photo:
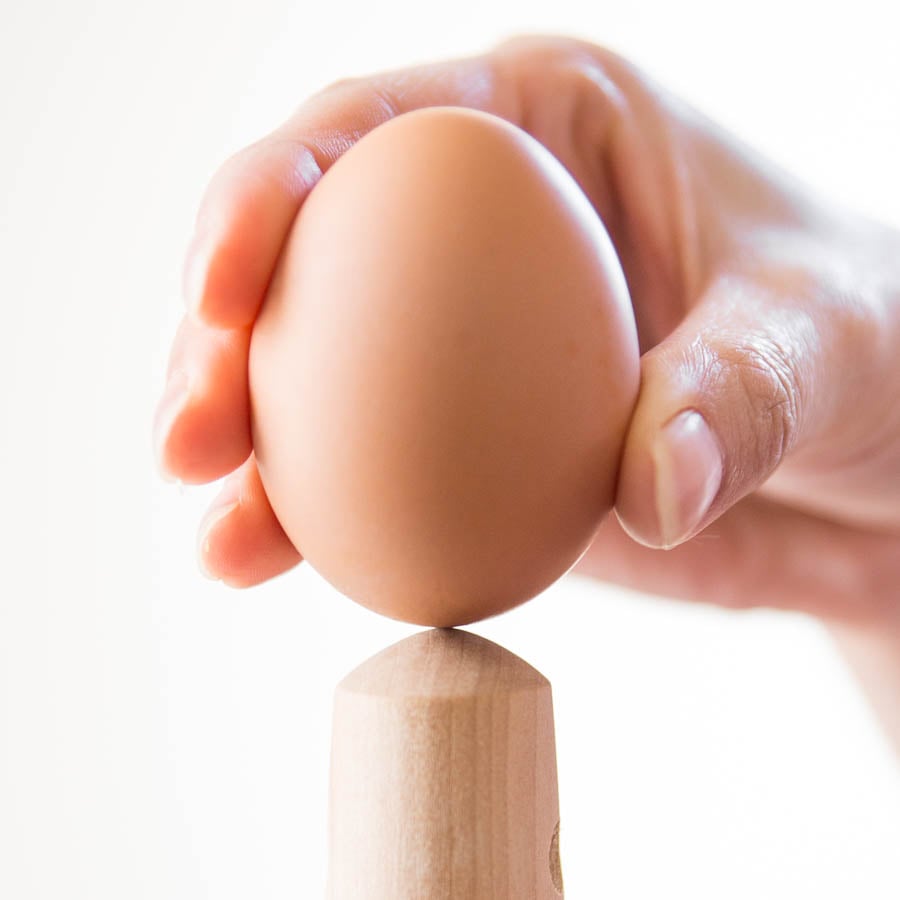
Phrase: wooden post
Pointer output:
(443, 776)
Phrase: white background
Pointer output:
(164, 737)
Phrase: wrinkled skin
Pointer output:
(764, 308)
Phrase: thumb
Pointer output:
(751, 373)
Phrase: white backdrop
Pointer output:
(164, 737)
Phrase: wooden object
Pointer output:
(443, 776)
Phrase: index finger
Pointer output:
(250, 204)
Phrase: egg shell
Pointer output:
(443, 370)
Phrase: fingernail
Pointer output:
(688, 469)
(193, 284)
(173, 401)
(223, 506)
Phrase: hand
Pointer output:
(769, 322)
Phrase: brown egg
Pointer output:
(443, 370)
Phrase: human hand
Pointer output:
(769, 324)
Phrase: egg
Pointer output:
(443, 370)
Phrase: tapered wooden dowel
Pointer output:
(443, 776)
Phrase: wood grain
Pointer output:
(443, 776)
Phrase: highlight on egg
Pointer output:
(443, 370)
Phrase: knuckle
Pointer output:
(588, 82)
(252, 168)
(563, 66)
(570, 98)
(355, 92)
(532, 48)
(355, 104)
(529, 45)
(337, 86)
(762, 372)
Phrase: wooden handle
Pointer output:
(443, 776)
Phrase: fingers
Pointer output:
(241, 542)
(761, 554)
(755, 373)
(248, 208)
(243, 221)
(202, 427)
